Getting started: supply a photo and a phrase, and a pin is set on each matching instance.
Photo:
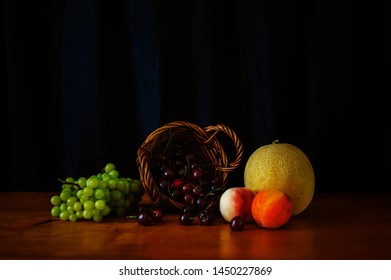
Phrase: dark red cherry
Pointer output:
(237, 223)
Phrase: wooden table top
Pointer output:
(335, 226)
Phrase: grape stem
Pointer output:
(68, 183)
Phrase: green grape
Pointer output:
(106, 177)
(79, 214)
(84, 198)
(56, 211)
(109, 167)
(79, 194)
(121, 185)
(69, 180)
(64, 215)
(100, 204)
(66, 187)
(107, 194)
(72, 200)
(73, 217)
(82, 181)
(55, 200)
(99, 194)
(65, 194)
(112, 184)
(88, 191)
(135, 186)
(63, 207)
(127, 187)
(105, 211)
(77, 206)
(93, 182)
(97, 218)
(116, 195)
(114, 174)
(70, 209)
(89, 205)
(87, 214)
(102, 184)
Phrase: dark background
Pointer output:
(84, 82)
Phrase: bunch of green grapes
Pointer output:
(97, 196)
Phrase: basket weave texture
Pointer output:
(203, 141)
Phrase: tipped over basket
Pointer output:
(188, 146)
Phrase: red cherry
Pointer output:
(178, 183)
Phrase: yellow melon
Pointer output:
(283, 167)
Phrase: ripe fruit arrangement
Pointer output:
(97, 196)
(279, 183)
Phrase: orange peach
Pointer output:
(271, 208)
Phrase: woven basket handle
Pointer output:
(146, 178)
(235, 139)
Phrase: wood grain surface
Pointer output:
(334, 226)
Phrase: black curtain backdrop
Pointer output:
(84, 82)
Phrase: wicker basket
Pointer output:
(203, 141)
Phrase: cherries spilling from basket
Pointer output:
(147, 216)
(183, 177)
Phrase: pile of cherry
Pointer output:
(185, 178)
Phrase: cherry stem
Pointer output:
(168, 145)
(212, 192)
(131, 217)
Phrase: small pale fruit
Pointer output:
(236, 202)
(284, 167)
(271, 209)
